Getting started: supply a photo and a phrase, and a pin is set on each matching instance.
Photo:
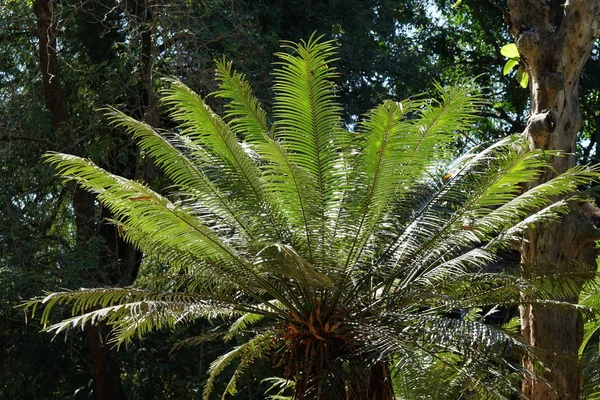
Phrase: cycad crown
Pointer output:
(345, 249)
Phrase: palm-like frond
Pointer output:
(474, 340)
(465, 221)
(246, 116)
(590, 297)
(308, 119)
(339, 251)
(285, 182)
(133, 312)
(173, 157)
(173, 233)
(171, 224)
(253, 349)
(235, 171)
(398, 150)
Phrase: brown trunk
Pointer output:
(147, 59)
(380, 385)
(377, 385)
(555, 42)
(104, 358)
(107, 375)
(47, 34)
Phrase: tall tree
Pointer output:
(104, 359)
(554, 40)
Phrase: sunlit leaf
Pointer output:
(510, 50)
(522, 77)
(510, 64)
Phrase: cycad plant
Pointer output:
(339, 254)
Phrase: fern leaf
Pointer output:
(308, 121)
(247, 353)
(246, 116)
(186, 174)
(237, 171)
(150, 219)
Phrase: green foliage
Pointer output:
(510, 51)
(389, 49)
(339, 253)
(589, 351)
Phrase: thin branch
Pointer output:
(46, 225)
(9, 138)
(488, 34)
(73, 14)
(501, 114)
(505, 13)
(497, 6)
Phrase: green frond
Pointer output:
(470, 290)
(590, 297)
(515, 233)
(465, 263)
(132, 312)
(248, 352)
(245, 115)
(244, 321)
(399, 151)
(478, 347)
(455, 111)
(418, 377)
(198, 340)
(384, 160)
(483, 203)
(287, 184)
(153, 223)
(233, 168)
(184, 172)
(248, 319)
(503, 207)
(307, 124)
(459, 198)
(278, 385)
(590, 362)
(288, 262)
(504, 204)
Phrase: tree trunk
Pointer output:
(380, 386)
(148, 55)
(47, 34)
(107, 375)
(104, 359)
(554, 42)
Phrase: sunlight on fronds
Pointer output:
(253, 349)
(342, 255)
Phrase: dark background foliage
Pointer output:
(113, 53)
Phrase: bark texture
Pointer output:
(554, 40)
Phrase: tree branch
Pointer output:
(488, 34)
(45, 142)
(73, 14)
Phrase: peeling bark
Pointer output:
(554, 41)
